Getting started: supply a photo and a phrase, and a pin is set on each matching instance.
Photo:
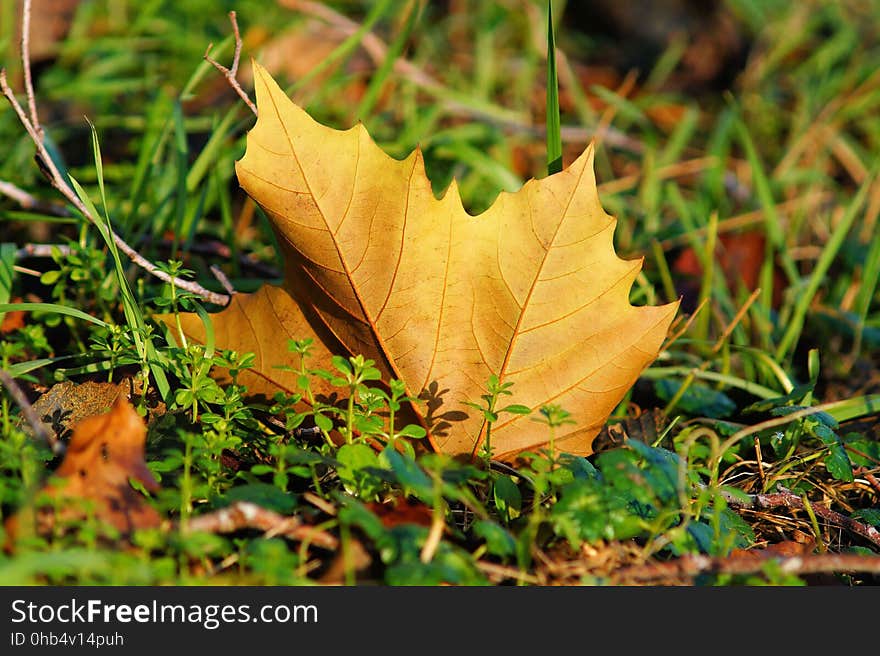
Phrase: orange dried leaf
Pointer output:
(402, 511)
(12, 321)
(531, 290)
(104, 452)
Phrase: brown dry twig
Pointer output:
(868, 476)
(319, 503)
(243, 515)
(499, 573)
(811, 201)
(41, 250)
(231, 73)
(35, 131)
(26, 66)
(29, 413)
(222, 279)
(216, 248)
(690, 566)
(31, 202)
(787, 499)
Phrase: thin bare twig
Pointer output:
(230, 73)
(222, 279)
(62, 186)
(35, 131)
(41, 250)
(499, 573)
(30, 202)
(20, 196)
(677, 170)
(435, 534)
(787, 499)
(220, 249)
(246, 515)
(864, 471)
(26, 65)
(319, 503)
(29, 413)
(690, 566)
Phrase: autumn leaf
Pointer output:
(530, 291)
(105, 452)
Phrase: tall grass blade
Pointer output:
(7, 260)
(554, 129)
(52, 307)
(870, 280)
(377, 80)
(21, 368)
(796, 324)
(130, 307)
(772, 222)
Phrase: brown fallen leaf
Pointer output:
(65, 404)
(104, 452)
(402, 511)
(530, 291)
(645, 426)
(13, 321)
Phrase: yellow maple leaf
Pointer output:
(530, 291)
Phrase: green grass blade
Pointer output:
(707, 282)
(624, 108)
(664, 373)
(663, 270)
(52, 307)
(772, 222)
(488, 166)
(679, 139)
(847, 409)
(867, 289)
(133, 315)
(56, 156)
(181, 150)
(104, 228)
(96, 367)
(22, 368)
(37, 217)
(7, 261)
(155, 134)
(345, 48)
(796, 324)
(195, 210)
(554, 128)
(209, 339)
(213, 150)
(666, 63)
(224, 204)
(205, 67)
(377, 80)
(718, 146)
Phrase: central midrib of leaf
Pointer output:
(441, 311)
(371, 321)
(502, 370)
